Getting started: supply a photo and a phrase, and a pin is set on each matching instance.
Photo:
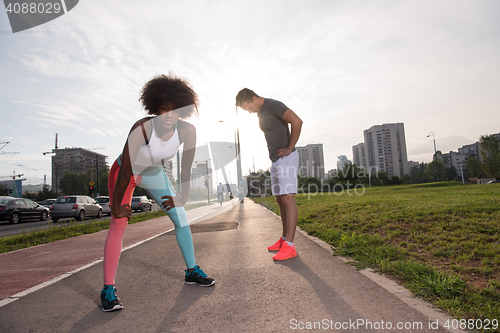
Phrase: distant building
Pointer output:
(386, 149)
(343, 160)
(412, 164)
(471, 151)
(74, 160)
(457, 159)
(454, 159)
(199, 174)
(168, 168)
(359, 155)
(311, 161)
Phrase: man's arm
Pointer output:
(296, 125)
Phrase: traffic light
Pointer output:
(91, 189)
(206, 183)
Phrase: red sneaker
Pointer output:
(286, 252)
(276, 246)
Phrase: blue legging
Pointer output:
(157, 184)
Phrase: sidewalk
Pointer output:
(252, 294)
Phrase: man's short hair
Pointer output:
(245, 95)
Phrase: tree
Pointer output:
(451, 173)
(474, 167)
(407, 179)
(256, 182)
(395, 180)
(3, 190)
(380, 178)
(103, 181)
(74, 183)
(431, 171)
(310, 184)
(490, 152)
(418, 175)
(45, 193)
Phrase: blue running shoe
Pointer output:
(109, 301)
(198, 276)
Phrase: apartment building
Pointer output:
(386, 149)
(74, 160)
(359, 155)
(311, 161)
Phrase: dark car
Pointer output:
(19, 209)
(47, 202)
(76, 206)
(141, 203)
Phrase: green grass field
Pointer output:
(441, 240)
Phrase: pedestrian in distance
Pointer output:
(220, 193)
(274, 117)
(152, 141)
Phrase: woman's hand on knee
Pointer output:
(124, 211)
(171, 202)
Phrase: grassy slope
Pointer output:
(440, 240)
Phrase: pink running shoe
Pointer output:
(286, 252)
(276, 246)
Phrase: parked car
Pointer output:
(495, 181)
(18, 209)
(77, 206)
(141, 203)
(104, 202)
(47, 202)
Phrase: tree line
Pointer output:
(352, 175)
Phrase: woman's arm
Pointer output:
(188, 136)
(134, 141)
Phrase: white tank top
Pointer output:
(157, 150)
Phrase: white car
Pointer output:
(104, 202)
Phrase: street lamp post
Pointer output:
(435, 154)
(206, 181)
(239, 180)
(208, 187)
(238, 160)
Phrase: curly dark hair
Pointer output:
(169, 89)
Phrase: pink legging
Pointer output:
(114, 240)
(113, 245)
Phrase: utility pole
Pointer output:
(97, 170)
(54, 165)
(435, 154)
(238, 160)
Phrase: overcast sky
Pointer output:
(342, 66)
